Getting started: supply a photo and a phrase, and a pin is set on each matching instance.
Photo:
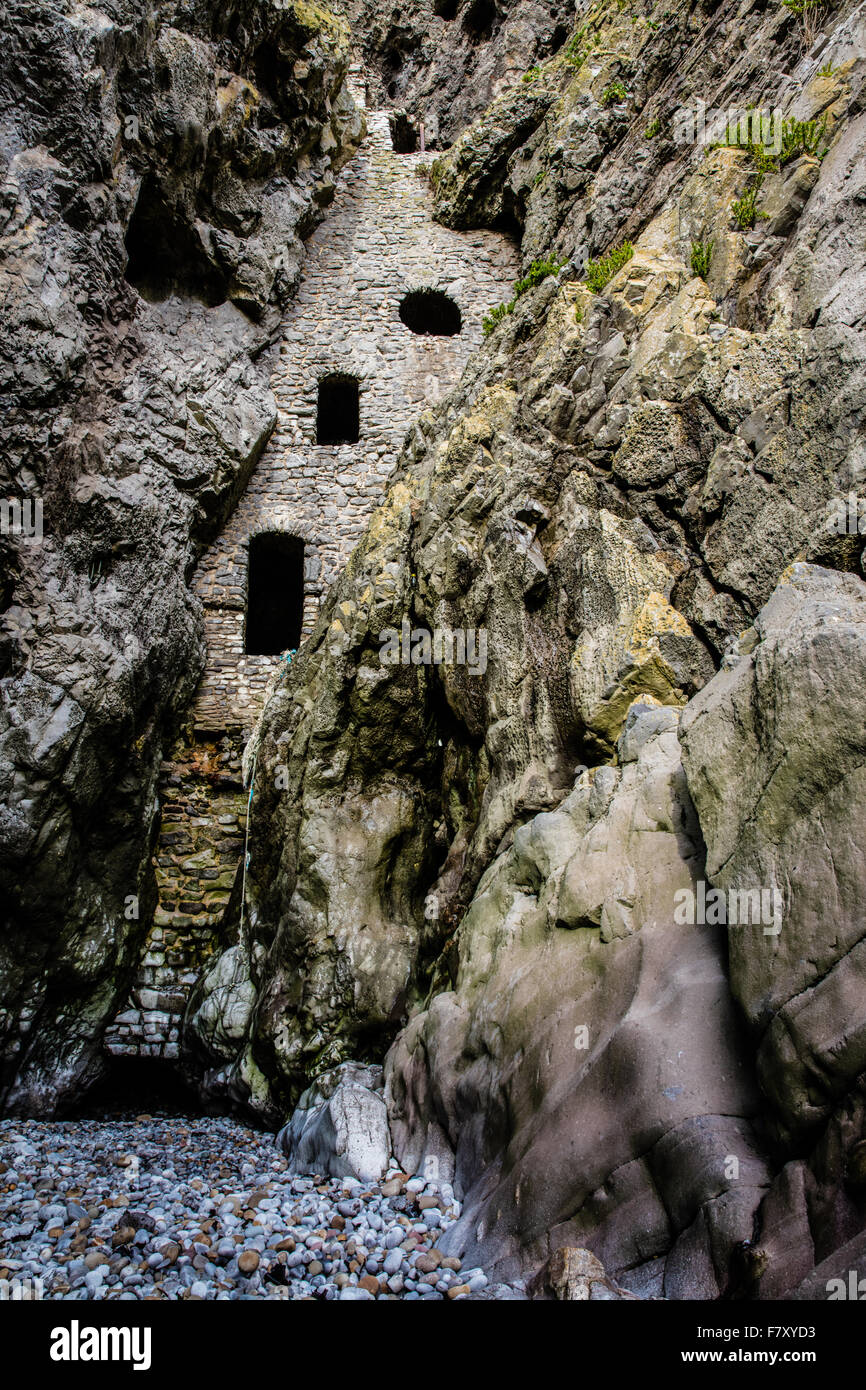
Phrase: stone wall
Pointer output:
(198, 864)
(378, 242)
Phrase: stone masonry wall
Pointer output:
(198, 869)
(378, 243)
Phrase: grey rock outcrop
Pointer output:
(441, 62)
(774, 751)
(340, 1126)
(588, 1068)
(783, 733)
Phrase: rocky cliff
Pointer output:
(161, 165)
(591, 892)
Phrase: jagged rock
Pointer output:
(575, 1275)
(441, 62)
(220, 1014)
(340, 1126)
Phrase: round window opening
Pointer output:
(431, 312)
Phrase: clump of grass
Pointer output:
(578, 313)
(744, 209)
(616, 92)
(531, 74)
(579, 47)
(801, 137)
(827, 70)
(702, 252)
(599, 272)
(653, 129)
(538, 271)
(496, 316)
(808, 14)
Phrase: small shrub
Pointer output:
(827, 70)
(801, 137)
(599, 272)
(578, 313)
(763, 162)
(538, 271)
(702, 252)
(808, 14)
(614, 93)
(496, 316)
(653, 129)
(744, 209)
(531, 74)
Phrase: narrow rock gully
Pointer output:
(138, 1196)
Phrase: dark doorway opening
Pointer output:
(404, 133)
(431, 311)
(338, 413)
(275, 594)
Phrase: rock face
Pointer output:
(440, 62)
(488, 856)
(589, 1056)
(783, 732)
(158, 175)
(774, 750)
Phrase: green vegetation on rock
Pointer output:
(599, 272)
(614, 93)
(538, 271)
(702, 252)
(579, 47)
(744, 209)
(802, 137)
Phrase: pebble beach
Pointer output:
(172, 1208)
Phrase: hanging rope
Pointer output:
(247, 842)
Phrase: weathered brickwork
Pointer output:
(198, 869)
(377, 244)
